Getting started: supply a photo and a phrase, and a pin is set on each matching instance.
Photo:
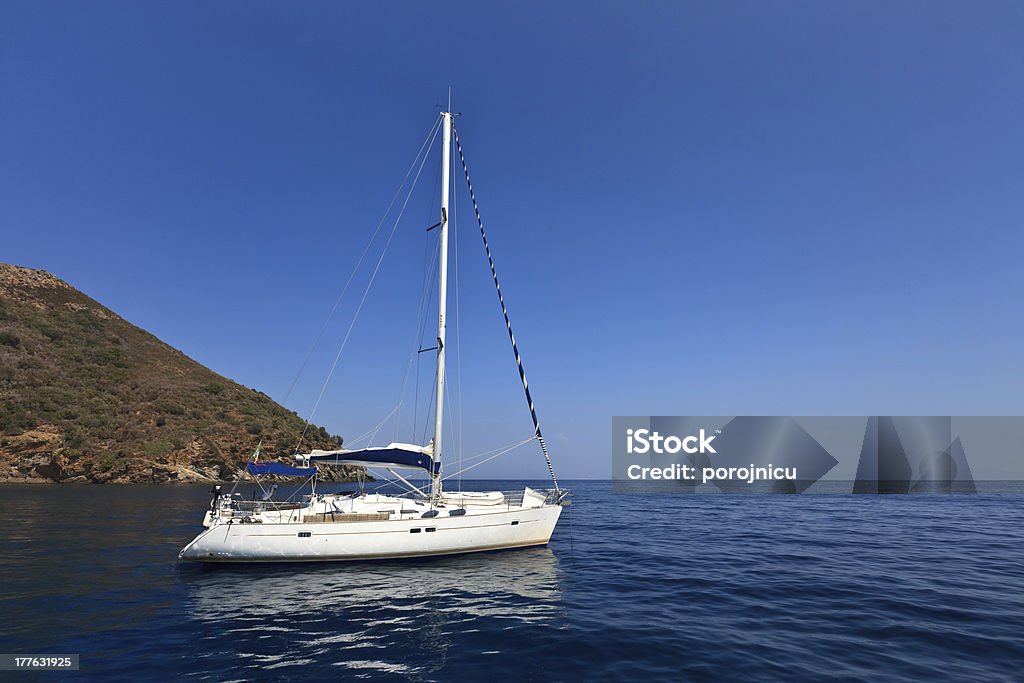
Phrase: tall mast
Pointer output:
(442, 302)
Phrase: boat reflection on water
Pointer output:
(370, 616)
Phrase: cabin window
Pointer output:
(415, 530)
(515, 522)
(305, 534)
(431, 528)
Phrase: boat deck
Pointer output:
(346, 517)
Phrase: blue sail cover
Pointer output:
(400, 456)
(278, 468)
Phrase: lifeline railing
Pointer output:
(295, 515)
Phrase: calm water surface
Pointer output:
(706, 587)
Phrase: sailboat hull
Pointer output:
(374, 540)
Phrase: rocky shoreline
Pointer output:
(88, 398)
(43, 468)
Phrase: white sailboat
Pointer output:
(424, 521)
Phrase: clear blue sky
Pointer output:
(697, 208)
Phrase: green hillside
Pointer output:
(85, 396)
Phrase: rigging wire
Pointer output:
(430, 135)
(396, 412)
(433, 395)
(430, 257)
(429, 265)
(420, 327)
(370, 433)
(504, 310)
(387, 482)
(458, 318)
(366, 292)
(451, 424)
(500, 452)
(494, 453)
(484, 454)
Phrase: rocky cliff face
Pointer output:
(85, 396)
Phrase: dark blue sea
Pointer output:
(654, 588)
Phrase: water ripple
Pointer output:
(753, 588)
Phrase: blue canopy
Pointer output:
(399, 456)
(278, 468)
